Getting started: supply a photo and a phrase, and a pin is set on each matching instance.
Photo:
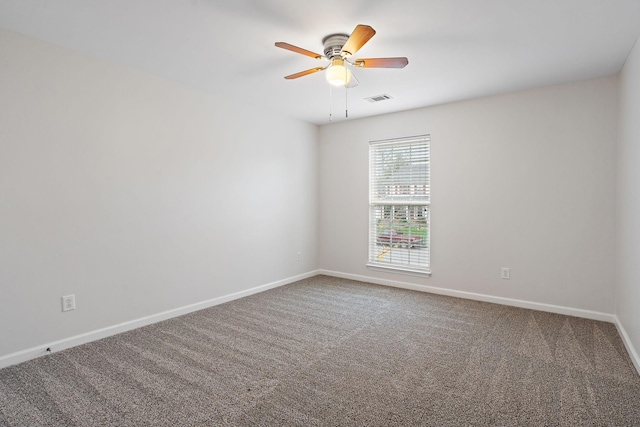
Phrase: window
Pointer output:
(399, 204)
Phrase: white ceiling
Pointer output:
(457, 49)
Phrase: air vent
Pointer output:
(378, 98)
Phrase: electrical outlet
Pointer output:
(68, 302)
(506, 273)
(299, 256)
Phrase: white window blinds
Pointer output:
(399, 204)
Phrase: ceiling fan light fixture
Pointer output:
(339, 48)
(337, 73)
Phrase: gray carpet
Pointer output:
(329, 352)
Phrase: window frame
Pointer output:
(404, 190)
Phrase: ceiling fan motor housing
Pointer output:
(333, 44)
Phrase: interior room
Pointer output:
(155, 163)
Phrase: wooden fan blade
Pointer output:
(361, 34)
(399, 62)
(304, 73)
(297, 49)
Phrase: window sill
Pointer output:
(400, 270)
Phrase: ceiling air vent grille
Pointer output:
(378, 98)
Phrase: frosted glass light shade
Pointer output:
(337, 74)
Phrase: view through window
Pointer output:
(399, 204)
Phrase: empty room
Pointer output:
(218, 212)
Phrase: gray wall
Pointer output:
(628, 224)
(137, 195)
(523, 180)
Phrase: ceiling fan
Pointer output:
(338, 49)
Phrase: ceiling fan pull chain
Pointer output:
(330, 104)
(346, 93)
(346, 104)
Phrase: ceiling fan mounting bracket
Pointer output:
(333, 45)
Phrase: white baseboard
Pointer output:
(41, 350)
(627, 343)
(577, 312)
(587, 314)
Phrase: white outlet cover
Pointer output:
(68, 302)
(506, 273)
